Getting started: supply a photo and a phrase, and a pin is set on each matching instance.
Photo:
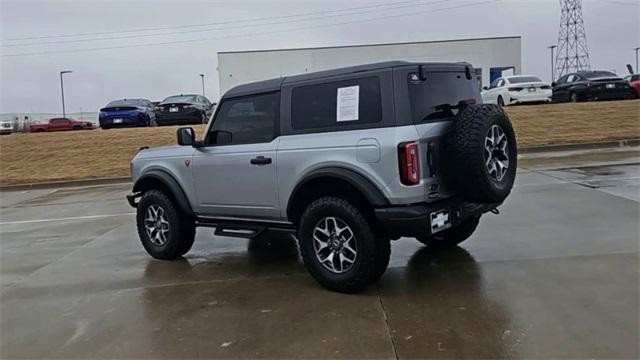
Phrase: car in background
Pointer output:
(184, 109)
(6, 127)
(634, 82)
(591, 85)
(62, 124)
(127, 112)
(518, 89)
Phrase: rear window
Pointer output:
(125, 102)
(180, 98)
(437, 97)
(524, 79)
(599, 74)
(335, 104)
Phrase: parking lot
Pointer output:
(554, 275)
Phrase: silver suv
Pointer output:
(345, 160)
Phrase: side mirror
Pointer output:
(186, 136)
(222, 137)
(553, 84)
(485, 88)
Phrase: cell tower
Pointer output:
(573, 54)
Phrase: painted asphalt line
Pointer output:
(66, 219)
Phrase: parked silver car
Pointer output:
(345, 160)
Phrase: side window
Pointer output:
(335, 104)
(571, 78)
(494, 84)
(250, 119)
(501, 83)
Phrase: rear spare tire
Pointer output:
(482, 154)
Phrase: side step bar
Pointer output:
(246, 229)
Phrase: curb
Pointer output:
(65, 184)
(569, 147)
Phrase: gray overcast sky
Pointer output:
(31, 83)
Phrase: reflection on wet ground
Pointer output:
(555, 275)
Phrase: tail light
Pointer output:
(158, 108)
(515, 89)
(409, 160)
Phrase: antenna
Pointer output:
(573, 54)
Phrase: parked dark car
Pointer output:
(61, 124)
(634, 81)
(127, 112)
(184, 109)
(591, 85)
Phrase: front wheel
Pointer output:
(500, 101)
(164, 232)
(338, 246)
(451, 237)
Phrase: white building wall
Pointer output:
(241, 67)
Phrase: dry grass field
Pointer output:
(79, 155)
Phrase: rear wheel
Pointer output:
(573, 97)
(76, 127)
(164, 232)
(338, 246)
(451, 237)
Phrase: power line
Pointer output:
(210, 24)
(620, 2)
(226, 28)
(253, 34)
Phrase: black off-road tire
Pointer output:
(181, 229)
(465, 166)
(383, 256)
(451, 237)
(372, 252)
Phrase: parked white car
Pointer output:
(517, 89)
(6, 127)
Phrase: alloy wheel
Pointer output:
(496, 153)
(156, 225)
(335, 244)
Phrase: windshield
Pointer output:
(180, 99)
(524, 79)
(439, 95)
(125, 102)
(599, 74)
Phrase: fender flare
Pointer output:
(370, 191)
(171, 183)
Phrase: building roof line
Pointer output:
(369, 45)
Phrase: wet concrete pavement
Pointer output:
(555, 275)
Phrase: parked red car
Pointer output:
(634, 81)
(60, 124)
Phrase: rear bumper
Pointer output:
(414, 220)
(108, 121)
(178, 118)
(610, 94)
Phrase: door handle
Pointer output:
(260, 160)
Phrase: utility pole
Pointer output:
(64, 113)
(553, 76)
(202, 76)
(573, 54)
(636, 69)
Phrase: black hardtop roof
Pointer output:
(275, 84)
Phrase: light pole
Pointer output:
(202, 76)
(64, 113)
(553, 73)
(636, 69)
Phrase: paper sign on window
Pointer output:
(347, 104)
